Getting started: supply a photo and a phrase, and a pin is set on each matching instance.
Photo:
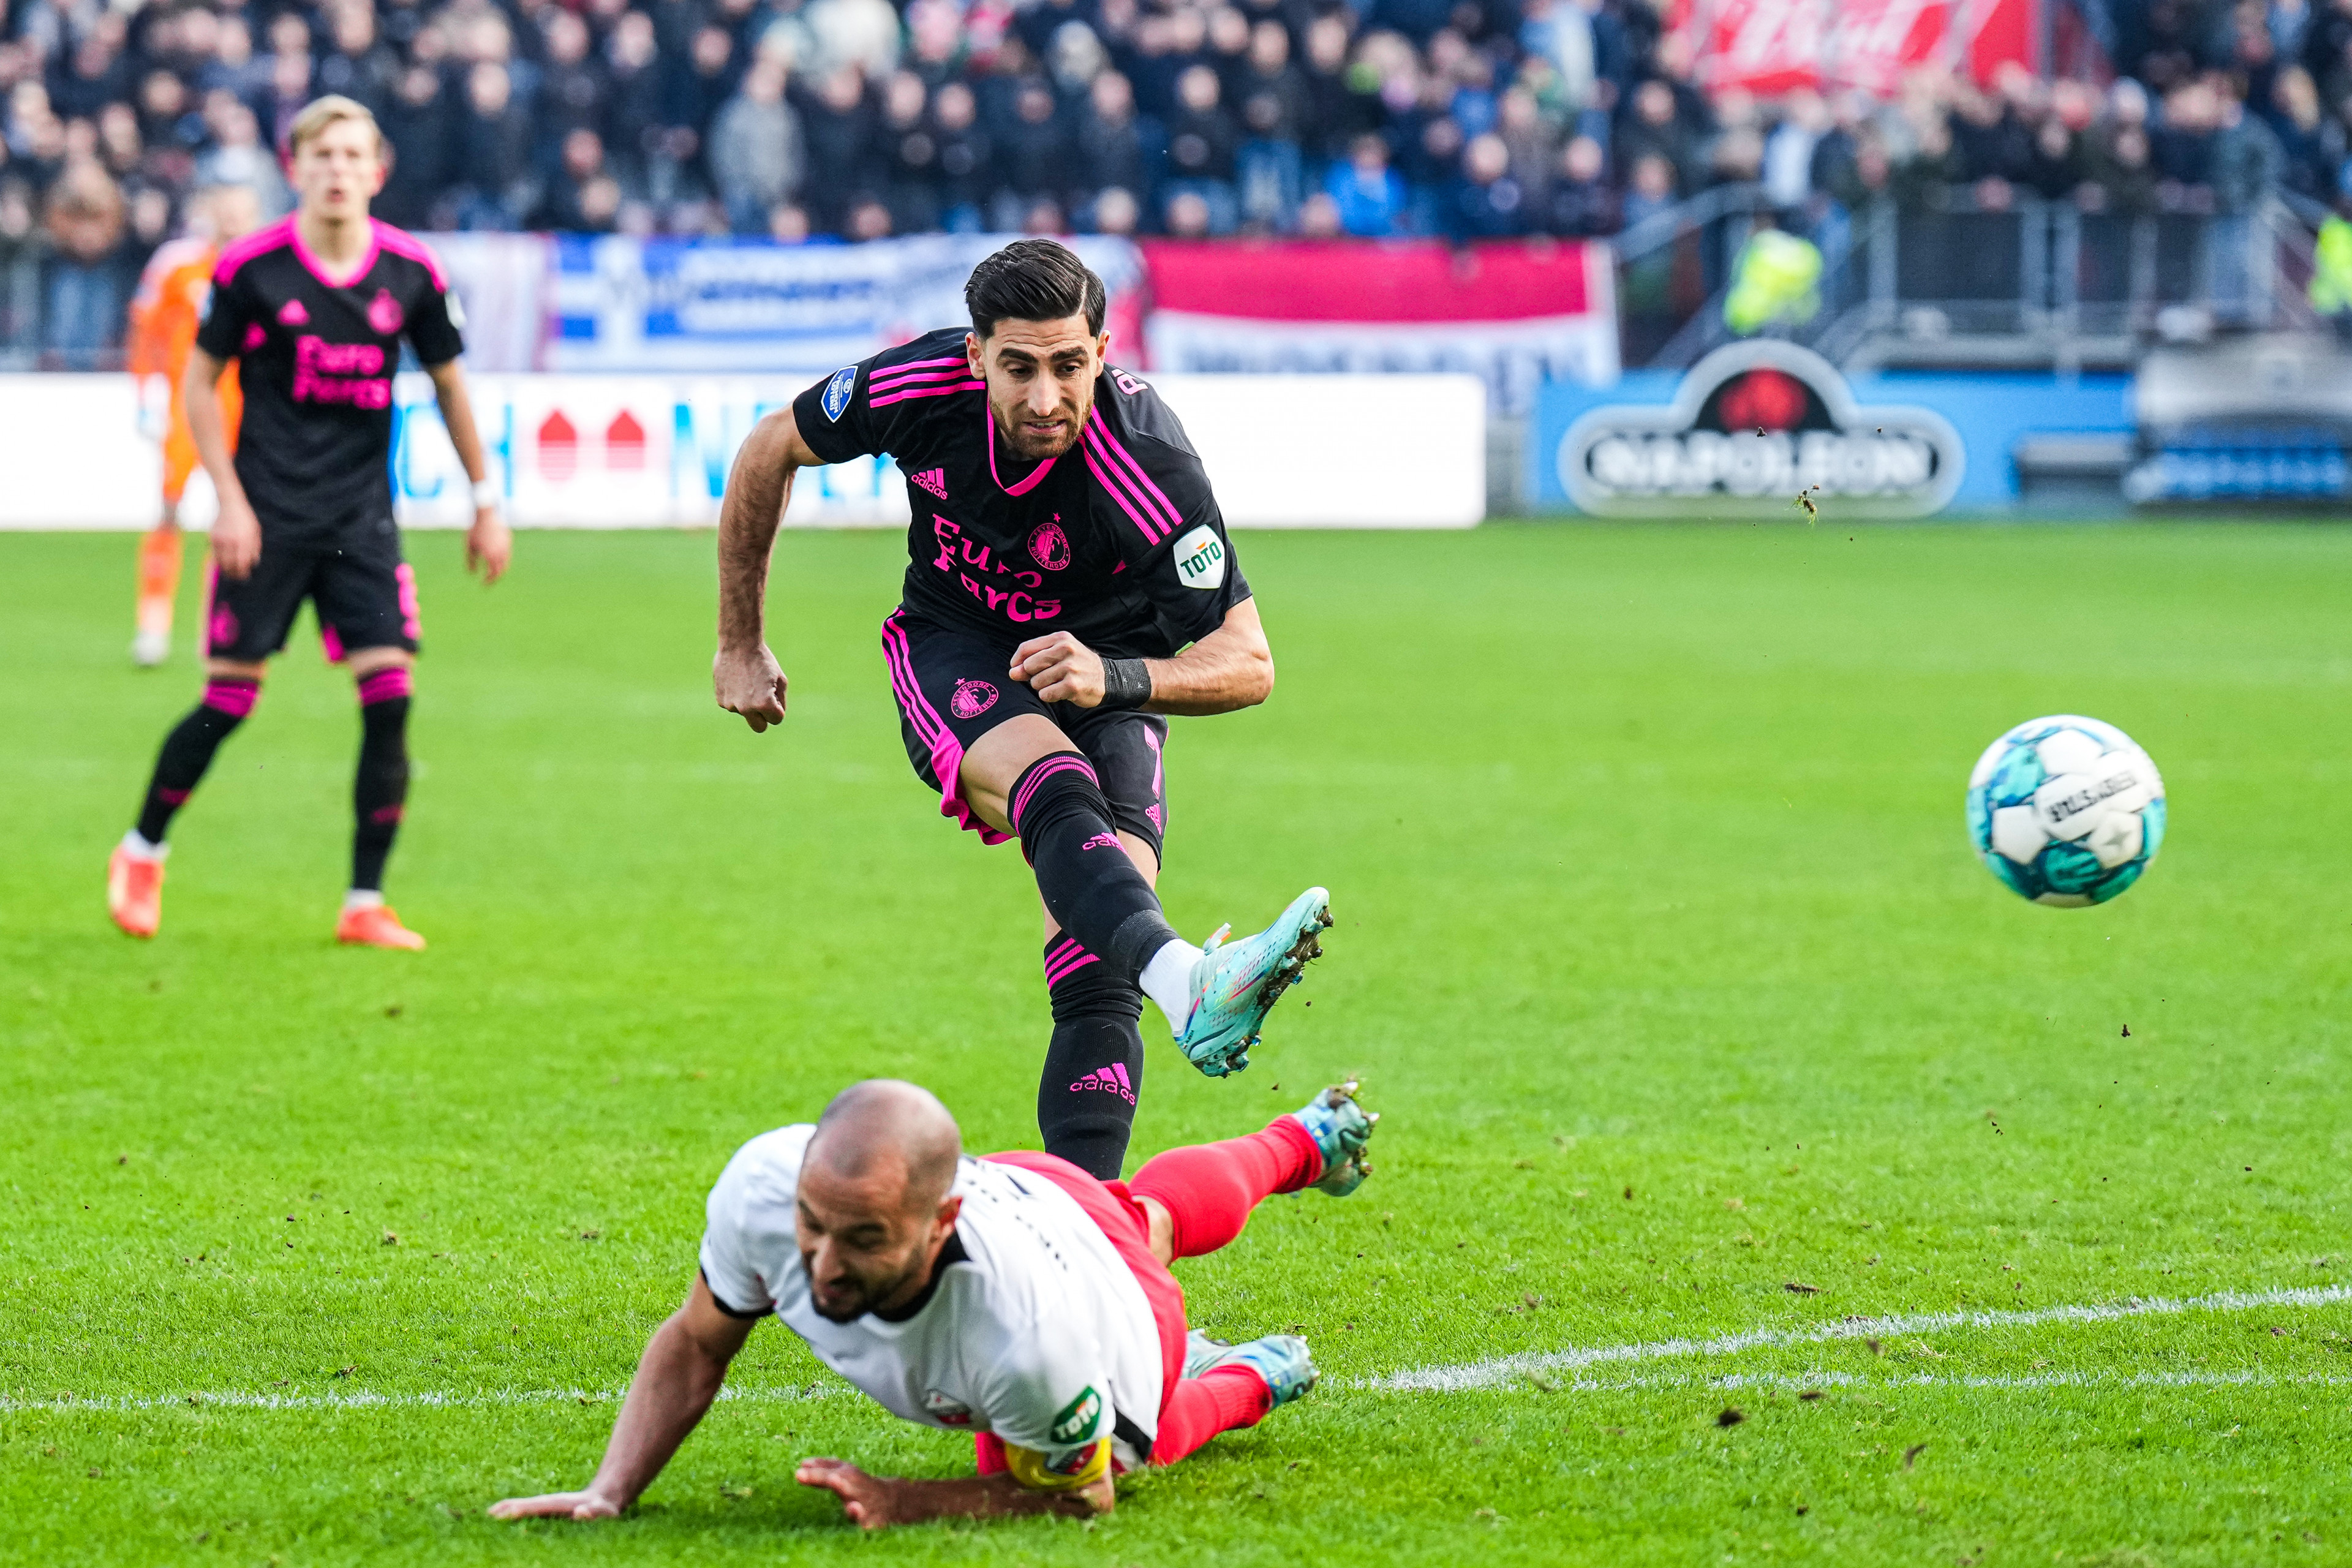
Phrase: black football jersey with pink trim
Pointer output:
(316, 357)
(1118, 541)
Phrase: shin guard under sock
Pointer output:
(1094, 1066)
(1209, 1189)
(380, 789)
(1090, 887)
(188, 751)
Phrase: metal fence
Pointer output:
(2032, 284)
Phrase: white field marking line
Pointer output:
(1504, 1368)
(1442, 1379)
(201, 1400)
(1929, 1380)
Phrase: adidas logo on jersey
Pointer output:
(934, 480)
(1112, 1079)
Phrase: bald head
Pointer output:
(874, 1202)
(886, 1127)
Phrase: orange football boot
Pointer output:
(375, 926)
(134, 891)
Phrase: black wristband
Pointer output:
(1125, 683)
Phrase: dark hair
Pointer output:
(1033, 280)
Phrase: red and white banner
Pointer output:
(1771, 46)
(1514, 315)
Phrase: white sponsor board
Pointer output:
(612, 451)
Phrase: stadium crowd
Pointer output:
(852, 120)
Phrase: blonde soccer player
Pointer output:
(314, 312)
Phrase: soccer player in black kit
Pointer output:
(314, 310)
(1068, 582)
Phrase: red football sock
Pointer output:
(1209, 1189)
(1227, 1398)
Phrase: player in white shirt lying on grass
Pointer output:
(1013, 1295)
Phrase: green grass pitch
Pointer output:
(1658, 943)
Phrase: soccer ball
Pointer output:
(2066, 810)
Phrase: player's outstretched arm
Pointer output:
(876, 1502)
(1232, 668)
(489, 543)
(237, 532)
(685, 1362)
(745, 676)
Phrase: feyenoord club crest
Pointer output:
(384, 313)
(1048, 546)
(971, 699)
(1752, 426)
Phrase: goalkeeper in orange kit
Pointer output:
(165, 313)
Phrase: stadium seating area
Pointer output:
(851, 119)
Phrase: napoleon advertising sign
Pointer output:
(1752, 427)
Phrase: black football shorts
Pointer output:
(951, 691)
(365, 595)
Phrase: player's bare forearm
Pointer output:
(1231, 668)
(685, 1364)
(876, 1502)
(744, 675)
(237, 531)
(457, 415)
(489, 544)
(757, 491)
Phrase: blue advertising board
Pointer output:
(1748, 428)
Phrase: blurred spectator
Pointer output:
(1580, 204)
(1484, 202)
(1368, 198)
(846, 119)
(84, 300)
(1201, 143)
(757, 156)
(582, 196)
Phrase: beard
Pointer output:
(861, 1295)
(1033, 448)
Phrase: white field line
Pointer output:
(362, 1400)
(1504, 1368)
(1447, 1379)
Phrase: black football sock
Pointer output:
(380, 790)
(1091, 889)
(188, 751)
(1093, 1068)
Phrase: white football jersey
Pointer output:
(1039, 1334)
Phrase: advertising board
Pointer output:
(638, 451)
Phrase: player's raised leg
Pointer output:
(385, 678)
(1022, 777)
(1197, 1200)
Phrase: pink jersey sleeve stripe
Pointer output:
(261, 241)
(1122, 456)
(890, 372)
(400, 242)
(927, 392)
(957, 370)
(1121, 489)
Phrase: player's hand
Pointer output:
(1060, 669)
(866, 1499)
(490, 545)
(558, 1505)
(236, 538)
(750, 682)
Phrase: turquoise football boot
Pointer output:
(1340, 1128)
(1236, 984)
(1282, 1359)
